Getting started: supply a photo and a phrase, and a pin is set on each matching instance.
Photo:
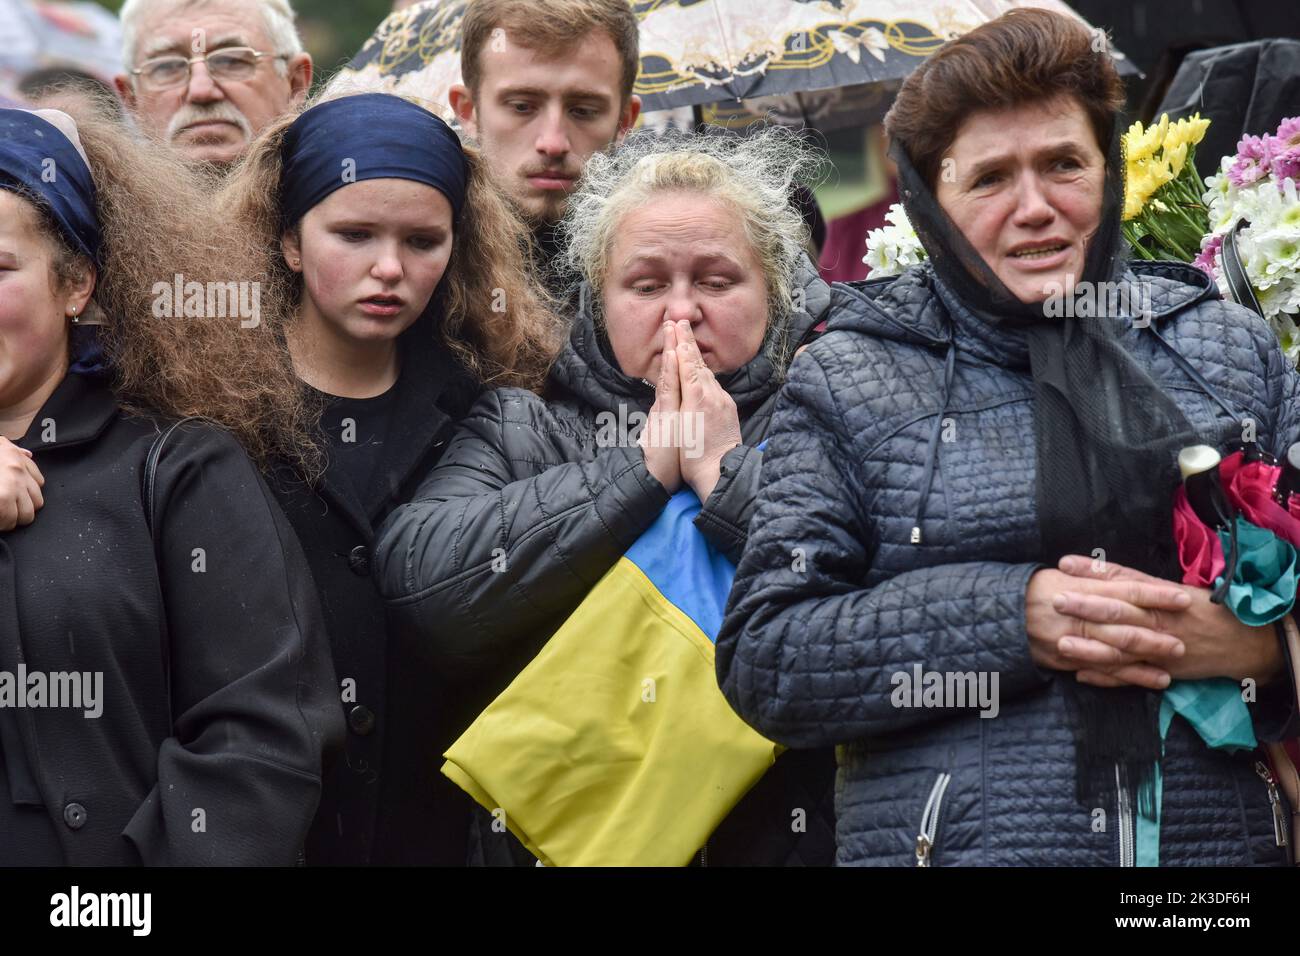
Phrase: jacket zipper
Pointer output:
(1274, 802)
(929, 831)
(1126, 841)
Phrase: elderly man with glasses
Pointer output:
(206, 77)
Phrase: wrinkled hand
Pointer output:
(1108, 631)
(1216, 643)
(710, 422)
(20, 486)
(658, 437)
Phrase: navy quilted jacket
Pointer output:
(833, 599)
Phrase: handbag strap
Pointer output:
(1235, 273)
(149, 481)
(1283, 765)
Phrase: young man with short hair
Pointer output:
(546, 85)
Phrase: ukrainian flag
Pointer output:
(615, 747)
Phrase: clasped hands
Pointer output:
(1114, 626)
(693, 421)
(20, 486)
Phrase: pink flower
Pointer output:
(1288, 134)
(1209, 256)
(1286, 163)
(1254, 157)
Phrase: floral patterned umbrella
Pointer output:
(808, 62)
(40, 34)
(710, 50)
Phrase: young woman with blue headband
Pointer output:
(165, 688)
(401, 283)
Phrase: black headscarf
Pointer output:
(1106, 438)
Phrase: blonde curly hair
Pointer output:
(755, 175)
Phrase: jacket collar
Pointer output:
(78, 411)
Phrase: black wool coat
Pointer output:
(379, 805)
(220, 762)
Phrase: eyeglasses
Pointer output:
(229, 63)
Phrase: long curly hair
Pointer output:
(156, 223)
(499, 322)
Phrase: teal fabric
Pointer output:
(1263, 586)
(1216, 711)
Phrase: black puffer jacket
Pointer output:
(526, 511)
(809, 655)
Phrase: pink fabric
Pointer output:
(1200, 553)
(1249, 488)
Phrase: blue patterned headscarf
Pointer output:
(370, 136)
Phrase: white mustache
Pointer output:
(192, 113)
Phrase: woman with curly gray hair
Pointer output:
(692, 277)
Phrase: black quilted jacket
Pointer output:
(811, 643)
(527, 510)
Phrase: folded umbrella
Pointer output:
(1250, 485)
(1261, 590)
(1263, 587)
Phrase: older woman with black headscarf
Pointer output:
(946, 453)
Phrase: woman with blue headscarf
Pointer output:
(165, 692)
(400, 282)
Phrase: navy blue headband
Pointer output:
(36, 157)
(370, 136)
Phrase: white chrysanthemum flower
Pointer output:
(1288, 334)
(1278, 254)
(894, 247)
(1221, 197)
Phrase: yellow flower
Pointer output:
(1138, 187)
(1187, 131)
(1136, 146)
(1159, 133)
(1176, 159)
(1156, 155)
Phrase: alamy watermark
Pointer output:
(80, 690)
(1099, 300)
(180, 299)
(622, 429)
(946, 689)
(74, 908)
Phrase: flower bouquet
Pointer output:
(1257, 186)
(1165, 216)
